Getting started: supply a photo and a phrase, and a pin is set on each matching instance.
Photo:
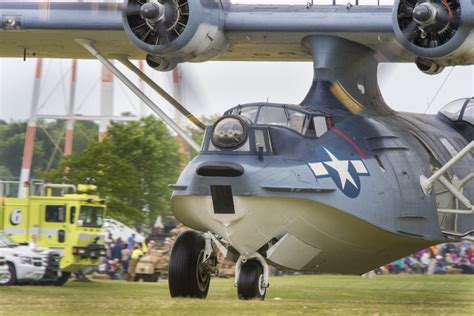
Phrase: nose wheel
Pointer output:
(189, 272)
(251, 282)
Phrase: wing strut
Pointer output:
(124, 60)
(89, 46)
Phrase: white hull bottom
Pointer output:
(311, 236)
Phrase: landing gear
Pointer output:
(251, 282)
(190, 266)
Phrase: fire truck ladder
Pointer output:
(462, 205)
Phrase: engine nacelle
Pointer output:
(175, 31)
(436, 30)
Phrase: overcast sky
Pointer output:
(213, 87)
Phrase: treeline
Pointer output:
(133, 166)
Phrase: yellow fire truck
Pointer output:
(63, 218)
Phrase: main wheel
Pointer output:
(251, 283)
(187, 277)
(9, 278)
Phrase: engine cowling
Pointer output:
(175, 31)
(435, 30)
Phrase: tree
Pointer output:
(133, 168)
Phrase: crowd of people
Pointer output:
(122, 257)
(441, 259)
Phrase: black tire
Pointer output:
(137, 277)
(150, 277)
(186, 277)
(62, 279)
(249, 285)
(11, 276)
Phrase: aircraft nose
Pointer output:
(220, 169)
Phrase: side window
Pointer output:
(72, 215)
(320, 125)
(262, 140)
(55, 213)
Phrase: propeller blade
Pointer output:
(410, 31)
(163, 31)
(133, 9)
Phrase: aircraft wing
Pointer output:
(218, 30)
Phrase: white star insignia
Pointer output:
(342, 169)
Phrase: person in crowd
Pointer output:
(425, 261)
(116, 251)
(113, 269)
(125, 258)
(131, 241)
(137, 253)
(108, 241)
(33, 244)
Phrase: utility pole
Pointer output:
(30, 132)
(68, 143)
(106, 102)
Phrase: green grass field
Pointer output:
(345, 295)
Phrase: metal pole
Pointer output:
(426, 184)
(89, 46)
(456, 192)
(124, 60)
(141, 66)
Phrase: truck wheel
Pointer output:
(62, 279)
(10, 277)
(250, 283)
(187, 277)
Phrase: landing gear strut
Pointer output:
(190, 266)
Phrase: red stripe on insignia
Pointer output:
(350, 141)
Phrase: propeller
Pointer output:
(157, 22)
(429, 23)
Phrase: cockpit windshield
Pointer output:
(305, 123)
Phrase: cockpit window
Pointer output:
(272, 116)
(249, 112)
(453, 110)
(468, 114)
(320, 125)
(297, 121)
